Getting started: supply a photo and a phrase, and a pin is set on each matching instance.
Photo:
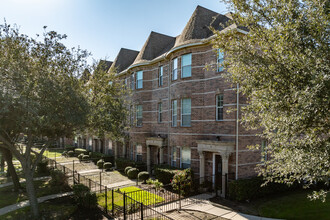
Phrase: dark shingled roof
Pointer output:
(198, 25)
(104, 65)
(156, 45)
(124, 59)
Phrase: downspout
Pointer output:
(237, 124)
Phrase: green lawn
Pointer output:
(51, 153)
(295, 206)
(43, 188)
(140, 195)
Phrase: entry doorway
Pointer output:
(218, 171)
(155, 155)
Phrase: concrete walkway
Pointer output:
(201, 203)
(121, 184)
(26, 203)
(89, 171)
(23, 181)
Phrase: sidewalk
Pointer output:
(202, 204)
(23, 181)
(121, 184)
(26, 203)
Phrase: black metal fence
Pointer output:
(146, 203)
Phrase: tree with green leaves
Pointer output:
(281, 62)
(108, 99)
(40, 96)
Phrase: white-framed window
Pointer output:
(160, 76)
(139, 152)
(90, 143)
(139, 80)
(175, 69)
(160, 112)
(186, 112)
(131, 115)
(110, 149)
(174, 156)
(219, 106)
(174, 113)
(139, 116)
(186, 65)
(132, 81)
(264, 150)
(185, 157)
(220, 60)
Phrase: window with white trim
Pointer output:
(139, 152)
(175, 69)
(160, 76)
(174, 155)
(132, 81)
(160, 112)
(186, 65)
(174, 113)
(219, 112)
(139, 116)
(186, 112)
(185, 157)
(139, 80)
(220, 60)
(131, 115)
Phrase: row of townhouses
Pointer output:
(181, 107)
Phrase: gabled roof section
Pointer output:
(156, 45)
(104, 65)
(198, 25)
(124, 59)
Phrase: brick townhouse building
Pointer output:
(179, 112)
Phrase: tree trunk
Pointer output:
(2, 163)
(31, 193)
(7, 155)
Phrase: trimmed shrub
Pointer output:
(100, 164)
(249, 189)
(107, 165)
(42, 167)
(58, 178)
(85, 158)
(69, 148)
(84, 197)
(70, 153)
(127, 169)
(121, 163)
(80, 156)
(79, 151)
(165, 173)
(141, 165)
(143, 176)
(132, 173)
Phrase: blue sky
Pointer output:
(103, 26)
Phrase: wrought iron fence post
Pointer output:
(106, 200)
(141, 210)
(89, 183)
(100, 181)
(112, 203)
(124, 197)
(78, 178)
(179, 196)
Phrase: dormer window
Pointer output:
(186, 66)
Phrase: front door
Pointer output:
(218, 171)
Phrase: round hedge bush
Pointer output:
(100, 164)
(143, 176)
(132, 173)
(127, 169)
(107, 165)
(70, 153)
(85, 157)
(79, 151)
(80, 156)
